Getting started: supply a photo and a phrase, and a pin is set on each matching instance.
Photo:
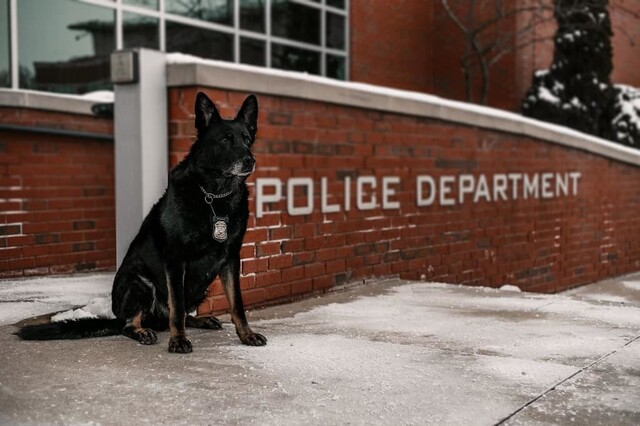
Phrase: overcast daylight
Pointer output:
(319, 212)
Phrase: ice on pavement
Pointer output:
(404, 353)
(455, 340)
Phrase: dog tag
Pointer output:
(219, 230)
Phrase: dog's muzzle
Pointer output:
(244, 167)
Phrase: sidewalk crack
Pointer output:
(563, 381)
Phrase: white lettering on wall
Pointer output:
(420, 200)
(326, 207)
(360, 193)
(467, 183)
(447, 190)
(305, 209)
(388, 192)
(264, 199)
(446, 183)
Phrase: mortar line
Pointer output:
(563, 381)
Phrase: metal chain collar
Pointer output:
(209, 197)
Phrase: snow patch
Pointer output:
(509, 287)
(633, 285)
(546, 95)
(100, 96)
(99, 307)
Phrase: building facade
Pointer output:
(418, 187)
(408, 44)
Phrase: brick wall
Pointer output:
(57, 211)
(542, 245)
(392, 45)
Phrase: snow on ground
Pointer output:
(447, 342)
(24, 298)
(406, 353)
(633, 285)
(482, 318)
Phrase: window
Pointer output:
(64, 45)
(199, 42)
(295, 21)
(252, 15)
(140, 31)
(218, 11)
(252, 51)
(293, 58)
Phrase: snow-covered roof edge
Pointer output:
(187, 70)
(75, 104)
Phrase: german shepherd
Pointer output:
(191, 235)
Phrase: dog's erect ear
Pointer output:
(249, 114)
(206, 113)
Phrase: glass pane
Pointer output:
(293, 58)
(5, 73)
(252, 51)
(151, 4)
(69, 51)
(336, 3)
(218, 11)
(295, 21)
(252, 15)
(140, 31)
(200, 42)
(335, 31)
(336, 67)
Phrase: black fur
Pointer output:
(174, 258)
(89, 327)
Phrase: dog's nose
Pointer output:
(249, 162)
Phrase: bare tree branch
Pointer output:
(488, 38)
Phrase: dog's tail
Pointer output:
(72, 329)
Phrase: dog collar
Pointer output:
(209, 197)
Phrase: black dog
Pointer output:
(191, 235)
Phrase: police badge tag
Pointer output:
(220, 229)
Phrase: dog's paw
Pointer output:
(212, 323)
(253, 339)
(147, 337)
(209, 323)
(180, 345)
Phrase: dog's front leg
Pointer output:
(230, 276)
(178, 342)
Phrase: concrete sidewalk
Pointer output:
(391, 352)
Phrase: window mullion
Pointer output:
(267, 14)
(13, 37)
